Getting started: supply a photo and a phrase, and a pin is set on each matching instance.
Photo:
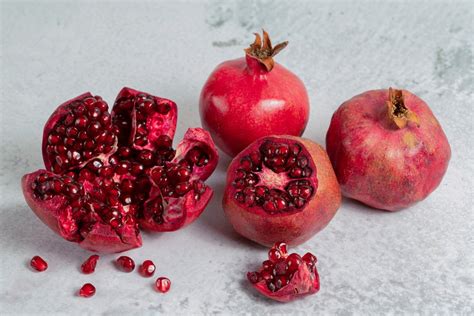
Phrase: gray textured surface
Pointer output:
(417, 261)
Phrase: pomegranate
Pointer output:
(126, 264)
(162, 284)
(38, 263)
(286, 277)
(248, 98)
(387, 148)
(101, 180)
(281, 188)
(147, 268)
(89, 265)
(87, 290)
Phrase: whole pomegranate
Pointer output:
(387, 148)
(285, 277)
(281, 188)
(109, 174)
(248, 98)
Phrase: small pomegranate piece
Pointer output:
(100, 185)
(89, 265)
(163, 284)
(147, 268)
(87, 290)
(38, 264)
(281, 188)
(289, 278)
(247, 98)
(126, 264)
(387, 148)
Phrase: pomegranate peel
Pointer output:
(299, 281)
(98, 186)
(387, 148)
(289, 198)
(250, 97)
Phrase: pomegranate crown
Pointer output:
(263, 50)
(398, 113)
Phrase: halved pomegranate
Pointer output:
(281, 188)
(286, 277)
(99, 184)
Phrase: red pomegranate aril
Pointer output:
(89, 265)
(39, 264)
(147, 268)
(253, 277)
(274, 254)
(280, 267)
(87, 290)
(163, 284)
(310, 259)
(293, 262)
(126, 263)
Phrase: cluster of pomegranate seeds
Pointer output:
(83, 132)
(162, 284)
(38, 263)
(147, 268)
(264, 178)
(126, 264)
(87, 290)
(89, 265)
(280, 267)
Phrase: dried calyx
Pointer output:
(263, 51)
(398, 113)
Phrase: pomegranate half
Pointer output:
(108, 174)
(281, 188)
(248, 98)
(387, 148)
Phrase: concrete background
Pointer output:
(417, 261)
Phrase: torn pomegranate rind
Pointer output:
(97, 189)
(286, 278)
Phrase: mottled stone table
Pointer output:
(417, 261)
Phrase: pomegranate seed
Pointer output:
(126, 263)
(280, 268)
(310, 259)
(280, 281)
(274, 255)
(87, 290)
(38, 264)
(253, 277)
(293, 262)
(282, 247)
(88, 266)
(163, 284)
(147, 269)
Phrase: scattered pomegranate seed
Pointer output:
(89, 265)
(147, 269)
(38, 264)
(87, 290)
(163, 284)
(126, 263)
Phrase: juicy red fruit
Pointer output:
(147, 268)
(281, 188)
(286, 277)
(89, 265)
(87, 290)
(162, 284)
(248, 98)
(126, 264)
(38, 263)
(387, 148)
(98, 188)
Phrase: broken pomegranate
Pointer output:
(38, 263)
(286, 277)
(248, 98)
(87, 290)
(281, 188)
(162, 284)
(89, 265)
(387, 148)
(126, 264)
(147, 268)
(109, 174)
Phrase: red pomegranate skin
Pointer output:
(380, 164)
(242, 101)
(292, 228)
